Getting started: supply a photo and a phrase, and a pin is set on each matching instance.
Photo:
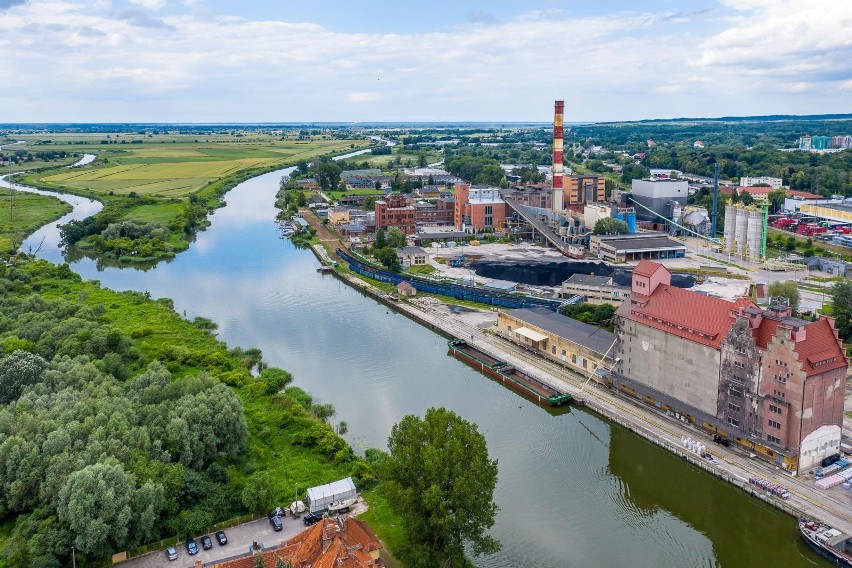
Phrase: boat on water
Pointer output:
(828, 542)
(507, 374)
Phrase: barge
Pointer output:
(506, 374)
(828, 542)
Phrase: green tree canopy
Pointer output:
(611, 226)
(439, 479)
(396, 238)
(842, 304)
(787, 290)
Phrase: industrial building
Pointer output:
(594, 289)
(578, 190)
(479, 208)
(626, 248)
(761, 379)
(656, 198)
(395, 211)
(571, 342)
(745, 231)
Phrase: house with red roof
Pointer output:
(760, 379)
(343, 542)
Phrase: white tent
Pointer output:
(320, 497)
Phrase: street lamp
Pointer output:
(73, 557)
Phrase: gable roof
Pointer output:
(819, 351)
(692, 316)
(647, 268)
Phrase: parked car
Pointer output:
(206, 542)
(171, 553)
(312, 518)
(191, 546)
(222, 538)
(276, 523)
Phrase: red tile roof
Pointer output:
(696, 317)
(647, 268)
(333, 543)
(819, 347)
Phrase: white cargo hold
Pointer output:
(324, 495)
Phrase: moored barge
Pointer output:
(828, 542)
(506, 374)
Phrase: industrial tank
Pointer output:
(730, 227)
(631, 221)
(755, 234)
(741, 235)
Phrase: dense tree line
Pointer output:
(109, 440)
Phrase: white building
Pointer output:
(772, 182)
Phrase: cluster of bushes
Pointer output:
(590, 313)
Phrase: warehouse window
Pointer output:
(772, 438)
(573, 358)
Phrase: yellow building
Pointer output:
(575, 344)
(338, 215)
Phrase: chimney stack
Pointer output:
(558, 111)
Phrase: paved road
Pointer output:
(240, 539)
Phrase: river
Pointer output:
(573, 489)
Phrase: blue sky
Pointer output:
(442, 60)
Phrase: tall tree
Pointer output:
(842, 305)
(396, 238)
(787, 290)
(440, 480)
(611, 226)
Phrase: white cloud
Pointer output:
(364, 97)
(104, 64)
(149, 4)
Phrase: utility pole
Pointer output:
(73, 557)
(715, 212)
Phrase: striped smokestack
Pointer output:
(558, 110)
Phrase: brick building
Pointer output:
(395, 211)
(764, 380)
(479, 208)
(437, 214)
(578, 190)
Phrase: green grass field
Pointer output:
(31, 212)
(182, 167)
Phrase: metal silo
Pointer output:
(730, 227)
(741, 234)
(755, 234)
(631, 221)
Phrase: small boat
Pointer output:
(393, 297)
(506, 374)
(828, 542)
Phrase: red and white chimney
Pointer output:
(558, 191)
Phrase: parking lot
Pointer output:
(240, 539)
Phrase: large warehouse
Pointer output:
(626, 248)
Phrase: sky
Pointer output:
(433, 61)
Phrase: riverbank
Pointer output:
(664, 431)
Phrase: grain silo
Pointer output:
(730, 228)
(741, 231)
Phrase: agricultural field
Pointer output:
(401, 157)
(163, 184)
(180, 168)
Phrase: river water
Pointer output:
(574, 489)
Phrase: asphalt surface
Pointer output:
(240, 539)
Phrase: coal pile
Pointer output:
(539, 273)
(555, 273)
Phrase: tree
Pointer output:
(258, 494)
(18, 370)
(841, 298)
(396, 238)
(611, 226)
(387, 256)
(787, 290)
(380, 239)
(96, 503)
(439, 479)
